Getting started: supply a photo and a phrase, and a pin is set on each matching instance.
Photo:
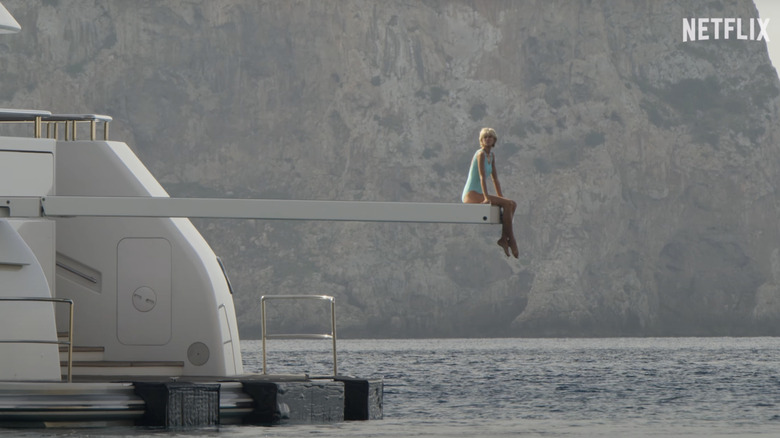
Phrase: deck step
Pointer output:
(89, 361)
(82, 353)
(124, 368)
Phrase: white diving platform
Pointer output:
(265, 209)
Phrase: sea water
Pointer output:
(622, 387)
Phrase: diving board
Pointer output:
(267, 209)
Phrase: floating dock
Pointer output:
(191, 402)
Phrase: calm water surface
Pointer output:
(690, 387)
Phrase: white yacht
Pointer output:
(113, 307)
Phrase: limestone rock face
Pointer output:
(645, 167)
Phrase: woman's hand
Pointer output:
(486, 201)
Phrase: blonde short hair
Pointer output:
(487, 132)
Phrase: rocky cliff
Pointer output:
(645, 168)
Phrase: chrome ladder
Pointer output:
(331, 335)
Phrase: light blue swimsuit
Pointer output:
(473, 183)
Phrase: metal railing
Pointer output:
(39, 119)
(69, 342)
(331, 335)
(71, 122)
(25, 116)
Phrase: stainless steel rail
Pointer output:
(71, 123)
(331, 335)
(69, 342)
(52, 121)
(24, 116)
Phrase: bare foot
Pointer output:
(513, 245)
(503, 243)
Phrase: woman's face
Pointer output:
(488, 141)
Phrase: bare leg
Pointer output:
(506, 227)
(512, 242)
(503, 242)
(508, 206)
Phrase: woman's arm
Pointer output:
(482, 177)
(496, 182)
